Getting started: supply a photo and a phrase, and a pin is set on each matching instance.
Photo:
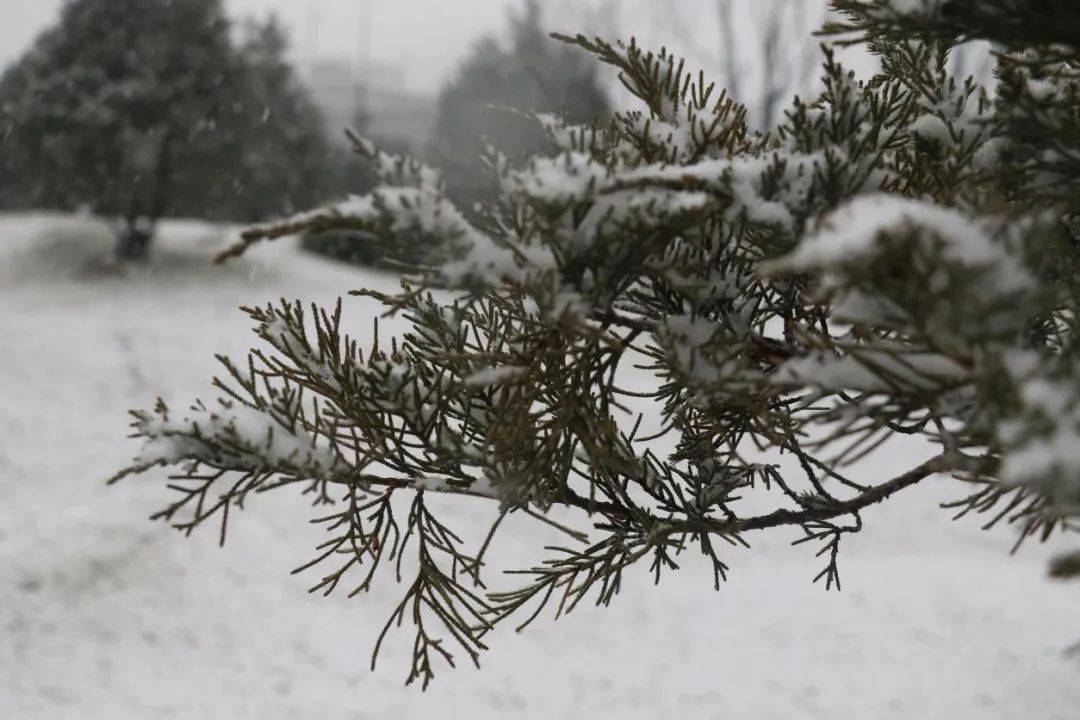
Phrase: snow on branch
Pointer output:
(234, 437)
(860, 231)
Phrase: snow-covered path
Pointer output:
(106, 615)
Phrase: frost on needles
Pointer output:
(672, 314)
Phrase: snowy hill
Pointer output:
(106, 615)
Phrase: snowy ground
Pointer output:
(105, 615)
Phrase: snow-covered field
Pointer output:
(106, 615)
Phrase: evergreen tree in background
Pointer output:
(673, 334)
(287, 158)
(474, 109)
(110, 104)
(140, 109)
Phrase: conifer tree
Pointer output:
(110, 104)
(639, 315)
(141, 109)
(476, 108)
(287, 158)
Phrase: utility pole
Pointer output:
(365, 20)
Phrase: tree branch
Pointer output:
(946, 462)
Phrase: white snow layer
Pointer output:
(857, 232)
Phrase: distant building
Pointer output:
(377, 94)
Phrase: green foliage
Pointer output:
(1015, 24)
(671, 315)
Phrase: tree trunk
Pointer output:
(134, 240)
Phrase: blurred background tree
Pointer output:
(535, 74)
(98, 110)
(141, 109)
(286, 155)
